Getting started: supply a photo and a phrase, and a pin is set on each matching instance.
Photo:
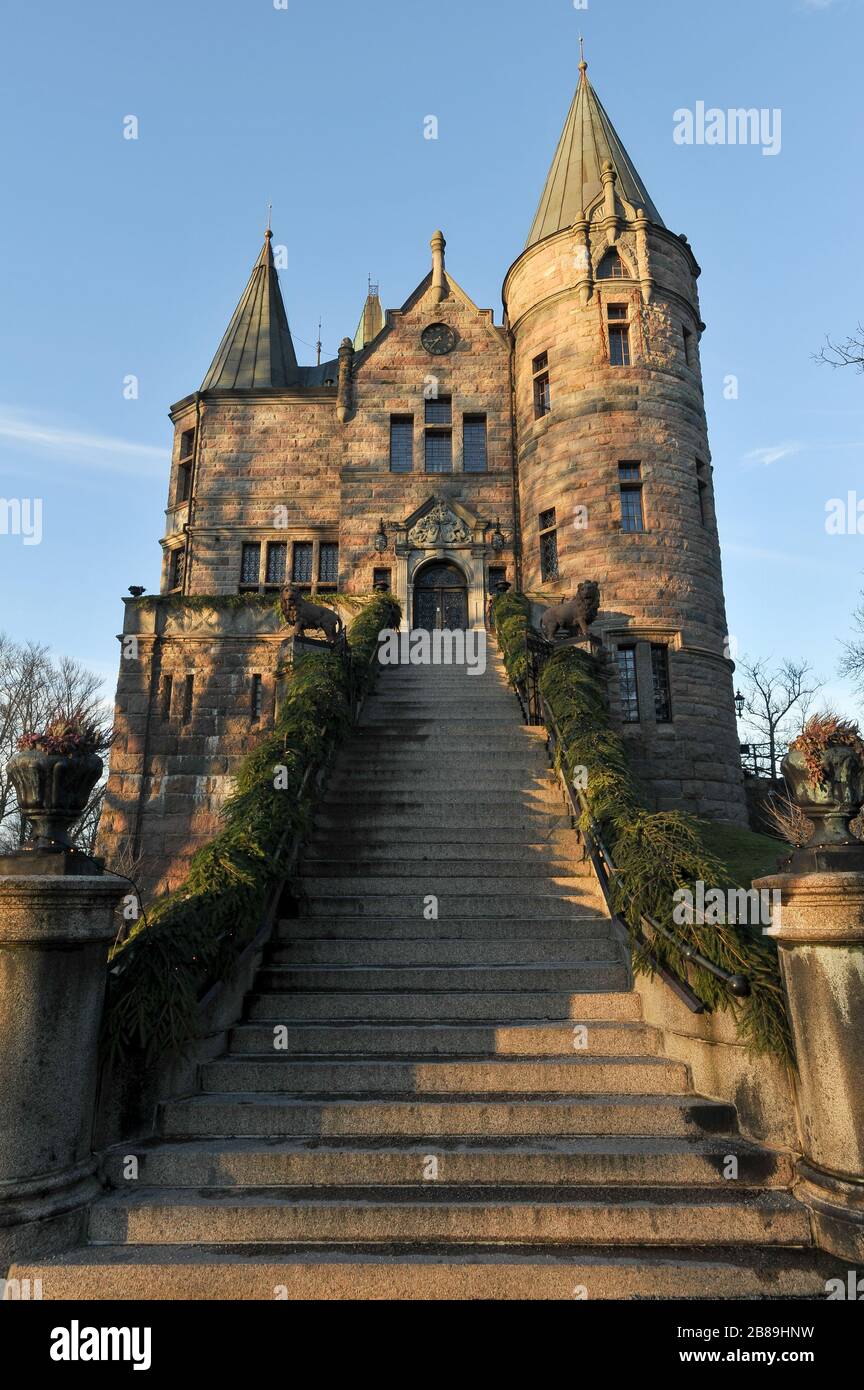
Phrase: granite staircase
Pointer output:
(442, 1085)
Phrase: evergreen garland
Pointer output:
(195, 935)
(657, 853)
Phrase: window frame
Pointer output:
(405, 422)
(661, 684)
(628, 694)
(631, 483)
(549, 536)
(618, 330)
(477, 419)
(541, 386)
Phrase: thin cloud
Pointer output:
(95, 450)
(773, 453)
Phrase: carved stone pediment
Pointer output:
(440, 526)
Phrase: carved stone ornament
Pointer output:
(440, 526)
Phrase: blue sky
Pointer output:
(121, 257)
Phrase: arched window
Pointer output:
(612, 267)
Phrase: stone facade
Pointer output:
(574, 447)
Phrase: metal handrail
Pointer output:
(604, 865)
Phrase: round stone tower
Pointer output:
(614, 472)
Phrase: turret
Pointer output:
(613, 460)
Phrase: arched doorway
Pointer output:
(440, 598)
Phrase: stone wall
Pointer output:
(177, 747)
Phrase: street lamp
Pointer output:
(740, 704)
(498, 541)
(381, 540)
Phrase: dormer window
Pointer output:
(612, 268)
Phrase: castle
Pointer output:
(441, 454)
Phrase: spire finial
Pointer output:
(583, 66)
(269, 218)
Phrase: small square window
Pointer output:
(618, 311)
(381, 580)
(540, 363)
(548, 519)
(439, 411)
(187, 444)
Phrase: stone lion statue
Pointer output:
(579, 612)
(303, 614)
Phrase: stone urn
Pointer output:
(53, 790)
(833, 799)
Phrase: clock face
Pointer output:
(438, 338)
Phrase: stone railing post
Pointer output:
(55, 930)
(820, 934)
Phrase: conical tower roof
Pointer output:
(257, 350)
(574, 182)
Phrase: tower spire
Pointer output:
(257, 350)
(575, 182)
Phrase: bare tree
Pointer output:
(852, 663)
(778, 700)
(33, 687)
(848, 353)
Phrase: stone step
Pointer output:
(394, 753)
(480, 721)
(365, 743)
(132, 1273)
(438, 1007)
(387, 817)
(228, 1163)
(455, 869)
(254, 1114)
(442, 951)
(561, 847)
(416, 980)
(588, 1216)
(273, 1074)
(483, 775)
(452, 902)
(482, 927)
(448, 1040)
